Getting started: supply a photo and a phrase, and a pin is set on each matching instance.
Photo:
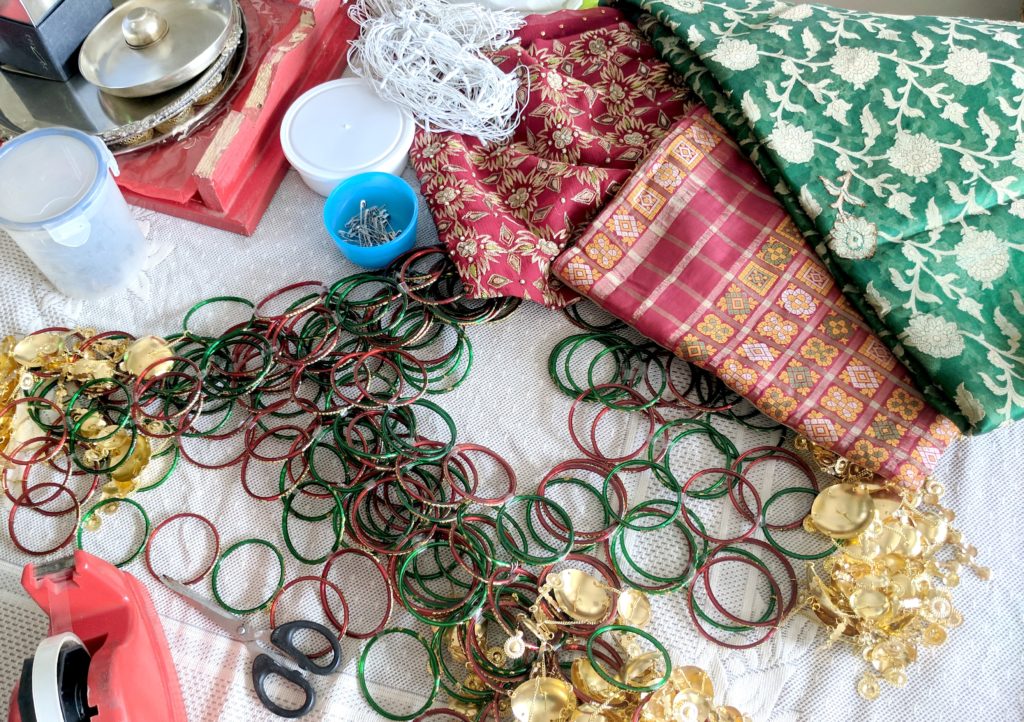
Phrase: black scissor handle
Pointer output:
(263, 667)
(283, 638)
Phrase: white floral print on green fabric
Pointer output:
(853, 237)
(934, 336)
(897, 144)
(983, 255)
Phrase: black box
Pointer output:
(44, 40)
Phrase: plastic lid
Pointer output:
(343, 128)
(46, 173)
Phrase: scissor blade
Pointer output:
(229, 622)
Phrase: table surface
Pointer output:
(509, 404)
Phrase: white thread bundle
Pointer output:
(426, 55)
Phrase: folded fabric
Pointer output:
(596, 100)
(697, 254)
(899, 140)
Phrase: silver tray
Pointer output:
(124, 124)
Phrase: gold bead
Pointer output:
(896, 677)
(933, 635)
(868, 687)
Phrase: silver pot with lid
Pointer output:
(145, 47)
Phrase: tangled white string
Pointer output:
(427, 56)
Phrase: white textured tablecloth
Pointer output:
(978, 674)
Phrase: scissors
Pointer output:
(268, 662)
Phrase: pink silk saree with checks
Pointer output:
(696, 253)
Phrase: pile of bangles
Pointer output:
(537, 600)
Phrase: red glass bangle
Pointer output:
(550, 521)
(25, 496)
(283, 335)
(361, 536)
(144, 383)
(255, 436)
(312, 293)
(211, 466)
(389, 596)
(69, 334)
(732, 497)
(26, 470)
(459, 451)
(341, 626)
(398, 398)
(773, 453)
(635, 400)
(168, 520)
(768, 632)
(703, 575)
(57, 443)
(794, 584)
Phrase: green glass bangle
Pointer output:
(361, 674)
(570, 387)
(388, 431)
(226, 553)
(668, 481)
(457, 613)
(610, 679)
(719, 440)
(107, 502)
(451, 685)
(212, 386)
(348, 313)
(321, 442)
(504, 518)
(696, 555)
(41, 390)
(469, 531)
(372, 436)
(443, 571)
(133, 430)
(771, 540)
(421, 510)
(439, 383)
(338, 528)
(609, 399)
(188, 334)
(95, 407)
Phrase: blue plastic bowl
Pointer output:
(377, 189)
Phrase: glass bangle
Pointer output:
(766, 529)
(118, 501)
(612, 680)
(228, 552)
(361, 674)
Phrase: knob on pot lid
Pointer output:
(145, 47)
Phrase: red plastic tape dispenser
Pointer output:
(106, 659)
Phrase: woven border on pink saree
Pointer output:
(696, 254)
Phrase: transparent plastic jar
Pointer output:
(60, 204)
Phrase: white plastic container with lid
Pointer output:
(342, 128)
(60, 204)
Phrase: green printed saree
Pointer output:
(897, 144)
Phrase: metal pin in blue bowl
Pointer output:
(372, 218)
